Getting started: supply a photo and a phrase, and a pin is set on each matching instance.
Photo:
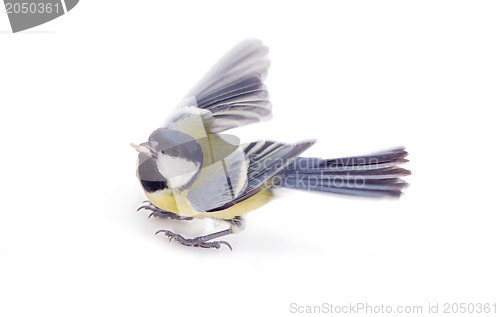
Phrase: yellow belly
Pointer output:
(165, 200)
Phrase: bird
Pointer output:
(190, 169)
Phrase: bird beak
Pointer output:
(145, 147)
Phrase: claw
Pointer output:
(145, 205)
(226, 243)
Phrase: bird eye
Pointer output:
(175, 152)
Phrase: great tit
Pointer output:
(189, 169)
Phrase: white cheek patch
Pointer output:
(177, 171)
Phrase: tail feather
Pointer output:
(376, 175)
(391, 156)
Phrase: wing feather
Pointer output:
(265, 160)
(232, 93)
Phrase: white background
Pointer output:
(360, 76)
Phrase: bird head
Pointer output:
(174, 155)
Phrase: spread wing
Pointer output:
(232, 93)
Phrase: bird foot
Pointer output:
(160, 213)
(195, 242)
